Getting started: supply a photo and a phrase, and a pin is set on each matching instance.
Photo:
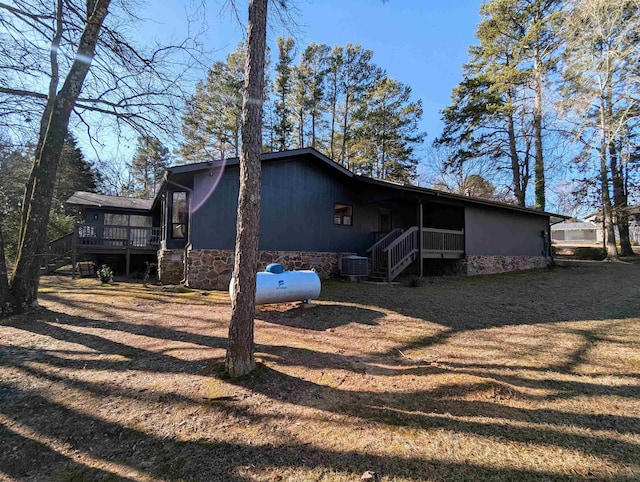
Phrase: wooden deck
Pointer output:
(111, 239)
(115, 239)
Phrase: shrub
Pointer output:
(105, 274)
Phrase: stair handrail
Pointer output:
(56, 249)
(400, 250)
(377, 250)
(62, 244)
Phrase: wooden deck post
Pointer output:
(127, 255)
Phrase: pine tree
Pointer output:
(211, 123)
(147, 168)
(334, 69)
(309, 95)
(282, 88)
(74, 174)
(389, 132)
(488, 117)
(357, 75)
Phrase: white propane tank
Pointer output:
(274, 285)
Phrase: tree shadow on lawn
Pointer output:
(137, 454)
(319, 317)
(526, 298)
(424, 410)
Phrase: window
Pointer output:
(137, 234)
(179, 215)
(342, 214)
(111, 219)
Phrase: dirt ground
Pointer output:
(529, 376)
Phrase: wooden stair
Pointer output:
(58, 254)
(393, 254)
(54, 264)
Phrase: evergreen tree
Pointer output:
(147, 168)
(309, 95)
(540, 44)
(74, 174)
(488, 117)
(357, 75)
(389, 132)
(282, 88)
(15, 165)
(334, 69)
(211, 123)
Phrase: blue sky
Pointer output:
(422, 43)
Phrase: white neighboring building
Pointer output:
(576, 233)
(589, 232)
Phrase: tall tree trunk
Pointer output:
(44, 120)
(537, 135)
(515, 165)
(6, 299)
(345, 129)
(620, 216)
(313, 128)
(334, 109)
(301, 129)
(240, 359)
(609, 234)
(26, 277)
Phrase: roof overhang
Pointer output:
(415, 191)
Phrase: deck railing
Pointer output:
(400, 251)
(60, 246)
(442, 240)
(57, 249)
(378, 254)
(111, 236)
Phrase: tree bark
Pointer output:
(39, 191)
(537, 135)
(6, 298)
(609, 233)
(44, 120)
(240, 358)
(515, 165)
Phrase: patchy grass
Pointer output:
(528, 376)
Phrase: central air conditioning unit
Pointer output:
(354, 266)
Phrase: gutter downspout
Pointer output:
(188, 245)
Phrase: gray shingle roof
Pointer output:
(90, 199)
(569, 226)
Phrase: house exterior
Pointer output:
(590, 232)
(576, 234)
(314, 211)
(113, 226)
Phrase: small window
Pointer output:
(342, 214)
(179, 215)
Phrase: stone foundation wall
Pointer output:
(170, 266)
(477, 265)
(212, 268)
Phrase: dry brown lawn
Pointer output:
(531, 376)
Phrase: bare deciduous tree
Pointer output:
(55, 45)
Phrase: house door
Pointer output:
(385, 221)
